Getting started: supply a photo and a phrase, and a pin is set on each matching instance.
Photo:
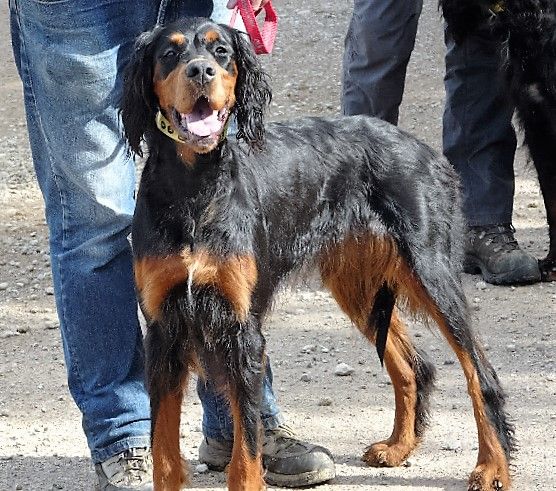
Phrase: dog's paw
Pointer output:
(548, 269)
(383, 454)
(489, 477)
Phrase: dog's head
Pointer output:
(197, 74)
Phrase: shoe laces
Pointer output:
(499, 235)
(283, 437)
(133, 466)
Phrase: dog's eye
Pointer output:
(221, 51)
(169, 54)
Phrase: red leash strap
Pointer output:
(263, 41)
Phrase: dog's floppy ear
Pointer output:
(252, 92)
(138, 105)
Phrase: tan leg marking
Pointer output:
(245, 473)
(395, 450)
(170, 472)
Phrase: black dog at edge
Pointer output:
(221, 222)
(526, 30)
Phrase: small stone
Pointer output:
(201, 469)
(51, 325)
(325, 401)
(4, 286)
(49, 290)
(454, 446)
(481, 285)
(343, 369)
(305, 377)
(22, 329)
(510, 347)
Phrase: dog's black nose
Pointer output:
(200, 71)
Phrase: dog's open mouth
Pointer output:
(203, 123)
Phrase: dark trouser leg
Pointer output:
(478, 136)
(378, 45)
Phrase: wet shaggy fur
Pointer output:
(218, 229)
(526, 31)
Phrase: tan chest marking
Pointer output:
(234, 277)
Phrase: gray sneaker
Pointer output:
(131, 470)
(493, 252)
(288, 462)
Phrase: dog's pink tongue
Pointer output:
(203, 121)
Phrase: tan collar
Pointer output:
(497, 7)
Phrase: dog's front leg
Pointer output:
(166, 377)
(245, 371)
(542, 149)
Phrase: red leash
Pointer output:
(263, 41)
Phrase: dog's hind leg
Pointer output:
(412, 378)
(166, 378)
(438, 291)
(357, 272)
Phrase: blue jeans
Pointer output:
(478, 137)
(217, 423)
(70, 55)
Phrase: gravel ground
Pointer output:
(41, 442)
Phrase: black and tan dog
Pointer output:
(221, 223)
(526, 32)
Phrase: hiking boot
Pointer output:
(288, 462)
(493, 252)
(131, 470)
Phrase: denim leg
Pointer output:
(217, 422)
(378, 44)
(222, 15)
(70, 55)
(478, 136)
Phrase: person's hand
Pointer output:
(257, 4)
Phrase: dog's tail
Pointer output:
(380, 316)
